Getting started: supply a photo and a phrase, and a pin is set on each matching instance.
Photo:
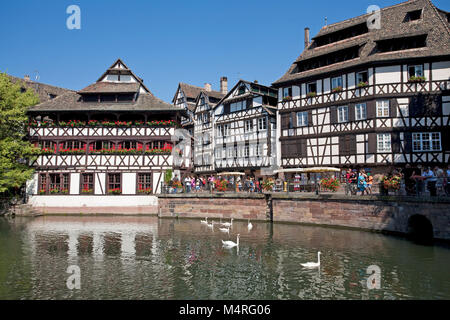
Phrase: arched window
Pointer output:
(101, 144)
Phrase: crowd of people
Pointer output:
(406, 181)
(195, 184)
(355, 182)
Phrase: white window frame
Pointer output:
(417, 67)
(383, 107)
(339, 83)
(384, 143)
(421, 139)
(360, 111)
(262, 124)
(308, 89)
(342, 113)
(219, 131)
(361, 72)
(248, 125)
(302, 119)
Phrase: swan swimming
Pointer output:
(313, 264)
(204, 221)
(231, 244)
(249, 226)
(228, 224)
(225, 230)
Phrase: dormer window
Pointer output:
(241, 90)
(413, 15)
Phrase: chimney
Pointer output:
(208, 87)
(224, 85)
(256, 81)
(306, 37)
(27, 77)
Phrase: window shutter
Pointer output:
(303, 152)
(395, 142)
(352, 144)
(371, 109)
(333, 115)
(310, 122)
(393, 108)
(285, 121)
(408, 142)
(351, 112)
(372, 143)
(294, 120)
(342, 146)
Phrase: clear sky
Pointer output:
(165, 42)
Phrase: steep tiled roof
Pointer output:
(44, 91)
(111, 87)
(191, 91)
(393, 26)
(73, 102)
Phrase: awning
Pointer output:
(309, 170)
(231, 174)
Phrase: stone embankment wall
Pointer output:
(375, 213)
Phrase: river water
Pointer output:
(150, 258)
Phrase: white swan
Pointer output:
(228, 224)
(204, 221)
(249, 226)
(231, 244)
(211, 225)
(225, 230)
(313, 264)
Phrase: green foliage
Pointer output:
(168, 176)
(15, 151)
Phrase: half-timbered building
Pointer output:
(203, 130)
(244, 126)
(111, 139)
(371, 91)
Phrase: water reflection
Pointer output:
(150, 258)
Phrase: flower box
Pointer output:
(337, 89)
(414, 79)
(87, 191)
(115, 191)
(363, 84)
(311, 94)
(288, 98)
(145, 190)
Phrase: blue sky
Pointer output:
(165, 42)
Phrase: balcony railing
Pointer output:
(367, 91)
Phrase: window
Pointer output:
(128, 145)
(302, 119)
(384, 142)
(202, 100)
(99, 145)
(205, 118)
(405, 43)
(247, 151)
(413, 15)
(311, 87)
(241, 90)
(287, 92)
(87, 183)
(70, 145)
(342, 114)
(219, 131)
(108, 98)
(224, 153)
(114, 183)
(415, 71)
(54, 183)
(248, 125)
(382, 108)
(426, 141)
(47, 145)
(144, 183)
(262, 124)
(336, 82)
(238, 106)
(362, 77)
(360, 111)
(226, 130)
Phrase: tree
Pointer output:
(15, 151)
